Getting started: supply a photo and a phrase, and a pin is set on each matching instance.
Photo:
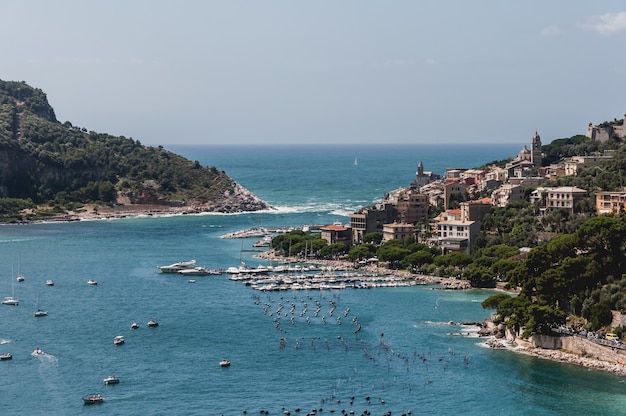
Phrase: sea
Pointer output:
(412, 355)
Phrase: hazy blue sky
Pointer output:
(360, 71)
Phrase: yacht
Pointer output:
(92, 282)
(178, 266)
(49, 282)
(134, 325)
(152, 323)
(118, 340)
(224, 363)
(199, 271)
(6, 356)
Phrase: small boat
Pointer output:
(39, 312)
(224, 363)
(20, 276)
(6, 356)
(134, 325)
(191, 281)
(118, 340)
(93, 399)
(92, 282)
(178, 266)
(10, 300)
(111, 379)
(37, 352)
(152, 323)
(49, 282)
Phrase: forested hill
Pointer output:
(45, 162)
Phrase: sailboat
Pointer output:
(20, 276)
(39, 312)
(356, 162)
(10, 300)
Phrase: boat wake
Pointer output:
(4, 341)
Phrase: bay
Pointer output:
(406, 357)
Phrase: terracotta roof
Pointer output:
(334, 227)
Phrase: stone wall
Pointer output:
(579, 346)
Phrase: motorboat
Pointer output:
(118, 340)
(92, 282)
(191, 281)
(134, 325)
(178, 266)
(199, 271)
(20, 278)
(6, 356)
(152, 323)
(93, 399)
(111, 379)
(37, 352)
(49, 282)
(224, 363)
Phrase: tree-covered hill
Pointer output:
(45, 162)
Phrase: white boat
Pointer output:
(49, 282)
(37, 352)
(92, 282)
(178, 266)
(118, 340)
(10, 300)
(39, 312)
(20, 276)
(264, 242)
(134, 325)
(152, 323)
(111, 379)
(224, 363)
(199, 271)
(6, 356)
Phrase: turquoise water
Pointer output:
(406, 357)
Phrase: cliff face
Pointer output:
(43, 160)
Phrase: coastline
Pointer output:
(559, 355)
(517, 346)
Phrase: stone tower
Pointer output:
(535, 150)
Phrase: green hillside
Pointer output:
(47, 163)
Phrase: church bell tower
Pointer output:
(535, 150)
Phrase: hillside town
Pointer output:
(459, 195)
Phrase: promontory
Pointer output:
(54, 170)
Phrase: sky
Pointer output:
(327, 71)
